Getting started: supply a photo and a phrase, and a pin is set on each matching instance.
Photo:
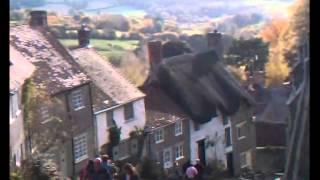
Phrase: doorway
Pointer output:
(202, 151)
(230, 164)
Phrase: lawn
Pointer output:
(107, 48)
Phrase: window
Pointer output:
(245, 159)
(196, 126)
(225, 120)
(228, 137)
(80, 147)
(110, 121)
(128, 111)
(44, 114)
(241, 130)
(178, 128)
(179, 152)
(77, 99)
(159, 136)
(14, 104)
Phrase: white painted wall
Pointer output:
(16, 129)
(139, 120)
(212, 130)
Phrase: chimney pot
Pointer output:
(214, 40)
(38, 18)
(155, 53)
(84, 36)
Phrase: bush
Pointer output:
(149, 169)
(215, 169)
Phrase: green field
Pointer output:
(107, 48)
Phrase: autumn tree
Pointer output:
(243, 52)
(284, 37)
(276, 68)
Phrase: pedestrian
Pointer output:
(87, 173)
(200, 168)
(106, 169)
(131, 173)
(191, 172)
(185, 167)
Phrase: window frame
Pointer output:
(108, 120)
(44, 114)
(247, 157)
(238, 128)
(159, 135)
(225, 120)
(128, 111)
(179, 152)
(178, 128)
(77, 99)
(228, 139)
(82, 145)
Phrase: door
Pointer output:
(202, 151)
(230, 164)
(167, 158)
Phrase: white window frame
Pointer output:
(80, 147)
(238, 128)
(179, 152)
(131, 106)
(107, 120)
(77, 99)
(247, 157)
(44, 114)
(14, 105)
(159, 135)
(178, 128)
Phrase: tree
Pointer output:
(285, 36)
(243, 52)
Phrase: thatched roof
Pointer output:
(201, 85)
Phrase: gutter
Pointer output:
(116, 106)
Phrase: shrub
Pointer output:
(215, 169)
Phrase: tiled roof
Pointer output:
(56, 71)
(20, 69)
(160, 109)
(105, 76)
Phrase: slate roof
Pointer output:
(116, 89)
(201, 85)
(56, 71)
(20, 69)
(272, 106)
(160, 109)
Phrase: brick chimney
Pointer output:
(155, 53)
(38, 19)
(84, 36)
(215, 42)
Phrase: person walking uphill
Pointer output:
(87, 173)
(131, 173)
(191, 173)
(200, 169)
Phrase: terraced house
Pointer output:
(60, 121)
(116, 102)
(219, 109)
(20, 70)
